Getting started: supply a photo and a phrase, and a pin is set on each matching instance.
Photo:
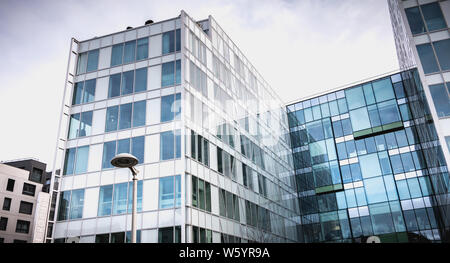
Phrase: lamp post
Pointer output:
(126, 160)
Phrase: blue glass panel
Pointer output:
(142, 48)
(167, 108)
(325, 110)
(390, 187)
(441, 99)
(346, 174)
(342, 151)
(415, 20)
(390, 140)
(356, 227)
(410, 219)
(69, 161)
(92, 62)
(335, 174)
(125, 116)
(137, 147)
(168, 42)
(139, 197)
(74, 125)
(396, 163)
(351, 150)
(63, 211)
(308, 114)
(334, 109)
(127, 82)
(341, 201)
(178, 73)
(355, 98)
(360, 119)
(399, 91)
(116, 54)
(76, 204)
(139, 110)
(442, 49)
(388, 112)
(360, 147)
(89, 90)
(370, 165)
(316, 112)
(141, 80)
(112, 118)
(370, 144)
(427, 58)
(315, 131)
(166, 192)
(168, 74)
(177, 143)
(81, 64)
(422, 219)
(384, 162)
(368, 94)
(356, 172)
(414, 187)
(360, 196)
(177, 106)
(177, 40)
(380, 142)
(375, 190)
(342, 106)
(178, 191)
(405, 112)
(114, 85)
(403, 190)
(167, 145)
(337, 128)
(77, 93)
(408, 164)
(350, 196)
(433, 16)
(347, 126)
(373, 115)
(331, 149)
(397, 217)
(383, 90)
(86, 123)
(120, 198)
(82, 158)
(300, 117)
(381, 218)
(129, 52)
(109, 151)
(123, 146)
(105, 200)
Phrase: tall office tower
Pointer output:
(211, 136)
(368, 164)
(422, 38)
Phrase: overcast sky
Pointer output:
(300, 48)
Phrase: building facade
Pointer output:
(211, 136)
(24, 205)
(422, 38)
(368, 162)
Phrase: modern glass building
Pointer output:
(211, 136)
(422, 37)
(368, 162)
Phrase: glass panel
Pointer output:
(89, 90)
(129, 52)
(433, 16)
(77, 93)
(92, 62)
(139, 110)
(86, 124)
(82, 61)
(178, 40)
(381, 218)
(142, 48)
(141, 80)
(168, 42)
(355, 98)
(82, 159)
(441, 99)
(427, 58)
(112, 118)
(137, 148)
(76, 204)
(166, 192)
(442, 49)
(388, 112)
(178, 191)
(123, 146)
(139, 197)
(360, 119)
(167, 108)
(125, 116)
(63, 211)
(415, 20)
(375, 190)
(74, 125)
(167, 145)
(201, 194)
(69, 161)
(168, 74)
(370, 165)
(120, 198)
(105, 200)
(116, 54)
(109, 151)
(127, 82)
(114, 85)
(383, 90)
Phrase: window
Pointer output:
(125, 116)
(168, 74)
(442, 49)
(36, 175)
(109, 151)
(3, 223)
(105, 200)
(370, 166)
(26, 208)
(383, 90)
(141, 80)
(360, 119)
(114, 85)
(170, 145)
(136, 144)
(29, 189)
(76, 204)
(10, 185)
(375, 190)
(201, 194)
(389, 112)
(92, 62)
(168, 42)
(433, 16)
(447, 139)
(112, 118)
(441, 99)
(80, 127)
(427, 58)
(127, 82)
(120, 198)
(84, 92)
(23, 226)
(169, 192)
(129, 52)
(7, 204)
(116, 55)
(354, 98)
(167, 235)
(82, 62)
(142, 48)
(63, 211)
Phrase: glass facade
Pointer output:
(384, 175)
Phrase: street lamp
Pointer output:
(126, 160)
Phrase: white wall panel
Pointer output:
(95, 157)
(91, 202)
(104, 59)
(150, 195)
(155, 46)
(98, 121)
(101, 88)
(154, 78)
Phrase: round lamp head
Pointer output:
(124, 160)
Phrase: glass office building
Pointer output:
(211, 136)
(368, 162)
(422, 38)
